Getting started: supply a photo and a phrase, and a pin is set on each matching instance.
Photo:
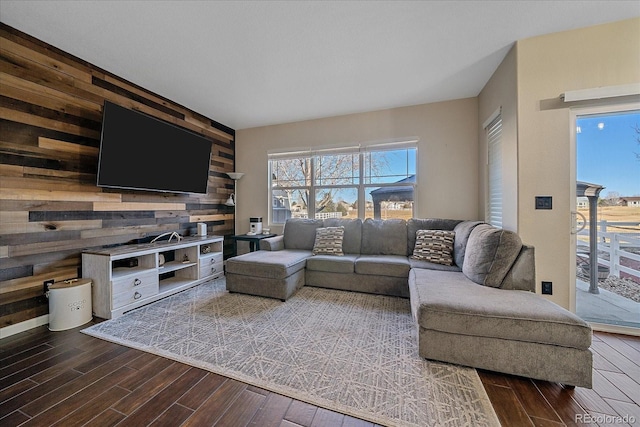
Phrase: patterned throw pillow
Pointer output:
(329, 241)
(434, 246)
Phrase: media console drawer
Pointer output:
(211, 269)
(140, 280)
(136, 294)
(210, 259)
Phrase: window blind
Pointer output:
(494, 199)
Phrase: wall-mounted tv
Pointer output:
(140, 152)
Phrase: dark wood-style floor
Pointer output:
(68, 379)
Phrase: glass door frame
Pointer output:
(575, 112)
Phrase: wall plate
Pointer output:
(544, 202)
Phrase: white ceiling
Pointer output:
(248, 64)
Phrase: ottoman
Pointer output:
(270, 274)
(509, 331)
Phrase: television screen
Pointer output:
(141, 152)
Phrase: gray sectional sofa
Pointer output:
(481, 311)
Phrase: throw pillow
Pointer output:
(434, 246)
(329, 241)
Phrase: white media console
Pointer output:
(130, 276)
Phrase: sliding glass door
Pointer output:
(607, 211)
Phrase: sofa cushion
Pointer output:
(384, 237)
(462, 230)
(522, 275)
(383, 265)
(434, 246)
(328, 241)
(415, 224)
(332, 264)
(450, 302)
(352, 232)
(269, 264)
(275, 243)
(418, 263)
(489, 255)
(300, 233)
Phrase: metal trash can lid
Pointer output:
(70, 283)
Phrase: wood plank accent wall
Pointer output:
(50, 207)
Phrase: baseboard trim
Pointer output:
(7, 331)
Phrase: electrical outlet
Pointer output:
(547, 288)
(46, 284)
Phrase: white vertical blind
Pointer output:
(494, 199)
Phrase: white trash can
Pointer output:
(69, 304)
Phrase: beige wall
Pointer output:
(447, 154)
(547, 66)
(501, 91)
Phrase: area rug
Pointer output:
(344, 351)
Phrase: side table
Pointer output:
(254, 240)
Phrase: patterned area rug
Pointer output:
(345, 351)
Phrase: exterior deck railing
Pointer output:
(613, 247)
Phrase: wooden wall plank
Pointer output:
(37, 280)
(50, 207)
(26, 182)
(216, 217)
(39, 75)
(24, 315)
(49, 102)
(34, 292)
(34, 151)
(45, 205)
(20, 117)
(61, 245)
(133, 206)
(42, 263)
(7, 217)
(37, 227)
(69, 147)
(79, 177)
(9, 46)
(38, 46)
(130, 232)
(92, 107)
(11, 170)
(70, 196)
(223, 149)
(223, 160)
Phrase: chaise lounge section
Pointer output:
(476, 306)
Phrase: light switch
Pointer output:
(544, 202)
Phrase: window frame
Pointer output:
(361, 185)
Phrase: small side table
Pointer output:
(254, 240)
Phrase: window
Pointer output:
(351, 182)
(494, 196)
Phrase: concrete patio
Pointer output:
(606, 307)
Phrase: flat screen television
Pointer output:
(140, 152)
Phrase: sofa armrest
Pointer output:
(272, 243)
(522, 275)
